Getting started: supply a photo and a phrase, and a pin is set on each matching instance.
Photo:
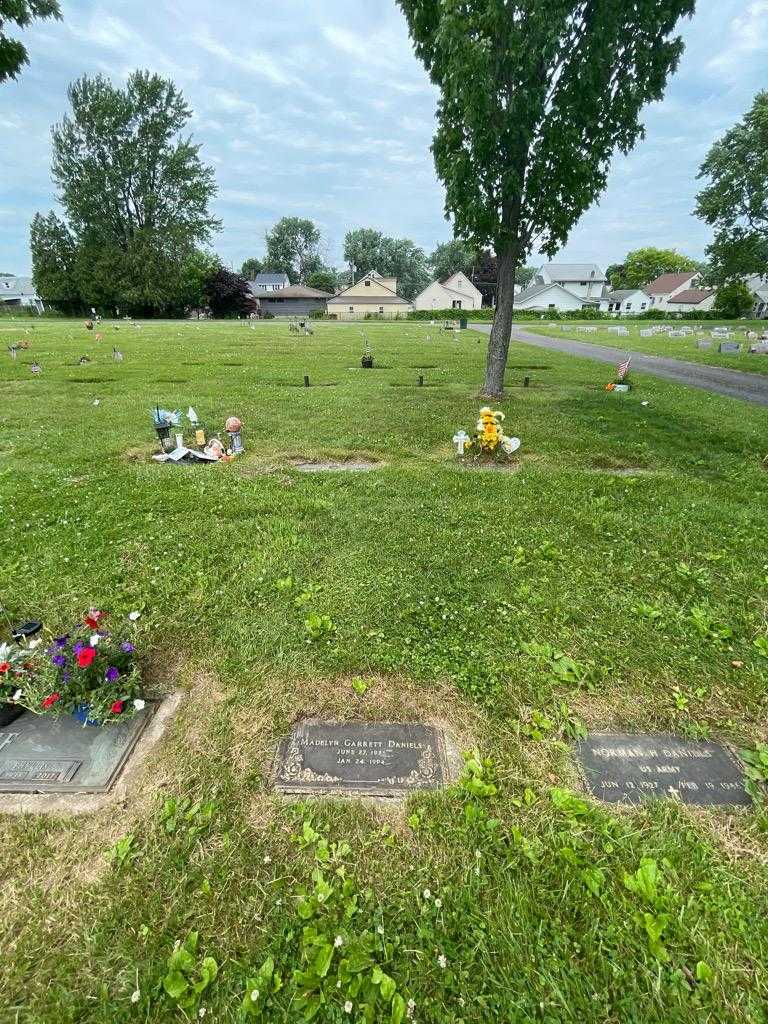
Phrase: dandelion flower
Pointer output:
(426, 894)
(438, 903)
(338, 941)
(442, 962)
(135, 996)
(348, 1006)
(255, 995)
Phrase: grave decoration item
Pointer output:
(83, 361)
(233, 427)
(621, 385)
(35, 367)
(13, 351)
(198, 428)
(163, 421)
(15, 671)
(89, 325)
(117, 355)
(489, 443)
(367, 361)
(89, 672)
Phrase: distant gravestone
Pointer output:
(703, 344)
(729, 346)
(377, 759)
(626, 768)
(40, 754)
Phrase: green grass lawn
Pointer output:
(661, 345)
(480, 600)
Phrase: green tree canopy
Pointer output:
(366, 249)
(641, 266)
(251, 267)
(135, 193)
(734, 300)
(534, 99)
(293, 247)
(325, 279)
(735, 202)
(452, 257)
(13, 54)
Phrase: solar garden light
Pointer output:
(233, 427)
(163, 421)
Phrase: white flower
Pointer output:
(380, 929)
(254, 995)
(94, 639)
(338, 941)
(643, 403)
(442, 962)
(267, 859)
(135, 996)
(348, 1006)
(438, 903)
(18, 695)
(139, 704)
(426, 894)
(410, 1010)
(201, 1012)
(96, 401)
(133, 616)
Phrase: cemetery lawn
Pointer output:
(512, 608)
(661, 345)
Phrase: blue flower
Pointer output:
(112, 674)
(127, 646)
(61, 641)
(59, 660)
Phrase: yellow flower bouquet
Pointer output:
(489, 443)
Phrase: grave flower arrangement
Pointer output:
(489, 443)
(89, 672)
(15, 672)
(621, 384)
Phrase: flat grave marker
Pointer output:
(40, 754)
(627, 768)
(387, 759)
(729, 347)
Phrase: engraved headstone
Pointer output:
(373, 758)
(40, 754)
(626, 768)
(703, 344)
(729, 347)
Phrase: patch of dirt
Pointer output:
(92, 380)
(336, 466)
(497, 467)
(618, 466)
(173, 380)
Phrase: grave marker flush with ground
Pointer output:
(626, 768)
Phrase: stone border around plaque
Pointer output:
(629, 768)
(374, 759)
(336, 465)
(41, 777)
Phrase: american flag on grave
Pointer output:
(621, 370)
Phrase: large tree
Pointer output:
(366, 249)
(13, 54)
(734, 300)
(251, 267)
(325, 279)
(451, 257)
(134, 189)
(641, 266)
(54, 258)
(735, 202)
(534, 99)
(293, 246)
(228, 293)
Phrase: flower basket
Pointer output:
(489, 444)
(15, 672)
(89, 673)
(9, 713)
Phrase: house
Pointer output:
(455, 292)
(585, 280)
(543, 297)
(19, 292)
(759, 287)
(295, 300)
(691, 300)
(663, 289)
(372, 294)
(622, 301)
(269, 282)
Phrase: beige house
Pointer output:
(371, 294)
(455, 292)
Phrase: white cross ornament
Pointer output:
(460, 439)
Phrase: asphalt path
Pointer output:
(749, 387)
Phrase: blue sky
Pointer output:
(319, 109)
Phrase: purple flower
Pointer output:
(61, 641)
(59, 660)
(65, 677)
(127, 646)
(79, 646)
(112, 674)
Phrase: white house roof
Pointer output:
(16, 288)
(270, 278)
(559, 272)
(535, 290)
(621, 294)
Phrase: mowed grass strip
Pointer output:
(479, 600)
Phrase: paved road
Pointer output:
(749, 387)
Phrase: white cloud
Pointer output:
(748, 37)
(252, 62)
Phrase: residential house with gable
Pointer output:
(625, 301)
(19, 292)
(564, 287)
(374, 294)
(663, 289)
(455, 292)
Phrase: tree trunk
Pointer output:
(498, 343)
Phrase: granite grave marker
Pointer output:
(373, 758)
(626, 768)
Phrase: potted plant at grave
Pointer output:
(621, 385)
(89, 672)
(16, 669)
(489, 443)
(367, 361)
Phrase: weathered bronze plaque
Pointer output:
(626, 768)
(39, 754)
(378, 759)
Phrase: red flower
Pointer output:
(117, 707)
(4, 666)
(51, 699)
(86, 656)
(92, 618)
